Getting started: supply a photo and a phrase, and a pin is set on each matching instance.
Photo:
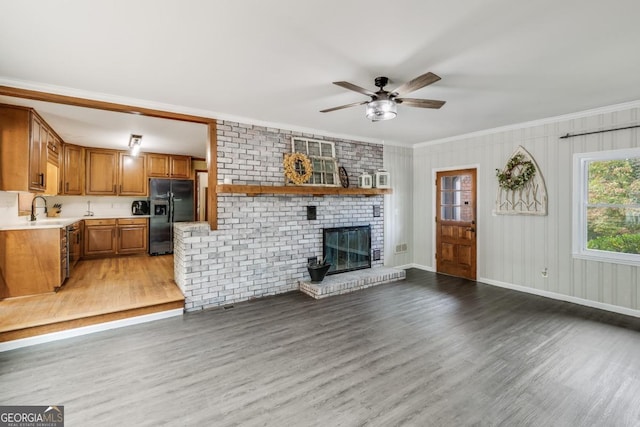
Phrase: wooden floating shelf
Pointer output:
(255, 190)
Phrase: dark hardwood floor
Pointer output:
(429, 351)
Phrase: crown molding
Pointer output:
(564, 117)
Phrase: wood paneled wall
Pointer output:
(514, 250)
(398, 211)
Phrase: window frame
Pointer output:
(580, 204)
(323, 159)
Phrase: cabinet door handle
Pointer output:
(114, 188)
(120, 188)
(41, 179)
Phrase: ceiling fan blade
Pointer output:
(344, 106)
(421, 103)
(355, 88)
(417, 83)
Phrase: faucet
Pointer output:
(33, 207)
(89, 211)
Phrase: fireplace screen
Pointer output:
(347, 248)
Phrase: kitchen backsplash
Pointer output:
(8, 207)
(72, 206)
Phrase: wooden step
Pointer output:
(64, 325)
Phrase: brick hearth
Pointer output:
(338, 284)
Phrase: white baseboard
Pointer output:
(421, 267)
(85, 330)
(562, 297)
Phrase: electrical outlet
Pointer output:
(545, 272)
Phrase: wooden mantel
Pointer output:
(302, 190)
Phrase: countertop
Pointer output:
(59, 222)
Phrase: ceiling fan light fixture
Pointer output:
(382, 109)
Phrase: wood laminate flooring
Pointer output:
(431, 350)
(99, 290)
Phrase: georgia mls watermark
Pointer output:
(31, 416)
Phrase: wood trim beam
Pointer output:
(100, 105)
(254, 190)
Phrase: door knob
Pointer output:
(471, 229)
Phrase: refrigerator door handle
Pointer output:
(171, 208)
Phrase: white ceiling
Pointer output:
(501, 61)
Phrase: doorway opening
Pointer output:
(202, 195)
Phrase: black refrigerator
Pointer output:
(170, 200)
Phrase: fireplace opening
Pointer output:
(347, 248)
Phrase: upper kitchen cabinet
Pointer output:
(168, 166)
(73, 170)
(38, 154)
(180, 166)
(132, 175)
(101, 172)
(24, 148)
(115, 173)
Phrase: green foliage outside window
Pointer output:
(613, 208)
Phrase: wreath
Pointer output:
(297, 168)
(507, 178)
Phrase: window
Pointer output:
(323, 157)
(607, 206)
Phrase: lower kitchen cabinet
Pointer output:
(109, 237)
(31, 261)
(133, 236)
(100, 237)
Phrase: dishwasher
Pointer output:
(74, 248)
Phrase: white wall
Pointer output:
(398, 210)
(513, 250)
(8, 207)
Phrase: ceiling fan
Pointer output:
(383, 104)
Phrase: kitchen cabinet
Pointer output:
(53, 179)
(113, 173)
(109, 237)
(100, 237)
(38, 154)
(54, 149)
(180, 166)
(72, 170)
(168, 166)
(32, 261)
(24, 148)
(101, 172)
(133, 235)
(132, 175)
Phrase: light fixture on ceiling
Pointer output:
(381, 109)
(135, 141)
(384, 104)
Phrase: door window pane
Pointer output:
(456, 198)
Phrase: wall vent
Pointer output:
(401, 248)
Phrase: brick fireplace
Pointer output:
(263, 242)
(347, 248)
